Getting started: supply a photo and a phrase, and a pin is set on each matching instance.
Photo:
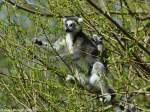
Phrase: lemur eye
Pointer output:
(71, 24)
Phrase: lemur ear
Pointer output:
(80, 20)
(64, 19)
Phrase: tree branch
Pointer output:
(36, 12)
(135, 14)
(118, 26)
(125, 13)
(67, 65)
(30, 10)
(144, 66)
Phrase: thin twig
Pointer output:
(30, 10)
(118, 26)
(135, 14)
(36, 12)
(144, 66)
(68, 66)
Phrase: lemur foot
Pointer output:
(107, 98)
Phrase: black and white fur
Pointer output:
(80, 47)
(78, 42)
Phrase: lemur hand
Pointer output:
(97, 39)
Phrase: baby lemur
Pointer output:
(89, 70)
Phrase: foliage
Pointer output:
(29, 79)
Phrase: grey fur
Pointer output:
(84, 53)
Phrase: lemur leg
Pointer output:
(59, 44)
(98, 81)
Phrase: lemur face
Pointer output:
(72, 24)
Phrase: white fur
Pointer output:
(69, 22)
(100, 47)
(93, 78)
(107, 98)
(98, 68)
(95, 36)
(96, 73)
(59, 44)
(97, 82)
(80, 20)
(69, 42)
(99, 39)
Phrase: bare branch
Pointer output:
(36, 12)
(135, 14)
(119, 27)
(144, 66)
(31, 11)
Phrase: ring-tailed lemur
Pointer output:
(79, 45)
(85, 51)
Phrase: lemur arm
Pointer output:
(59, 44)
